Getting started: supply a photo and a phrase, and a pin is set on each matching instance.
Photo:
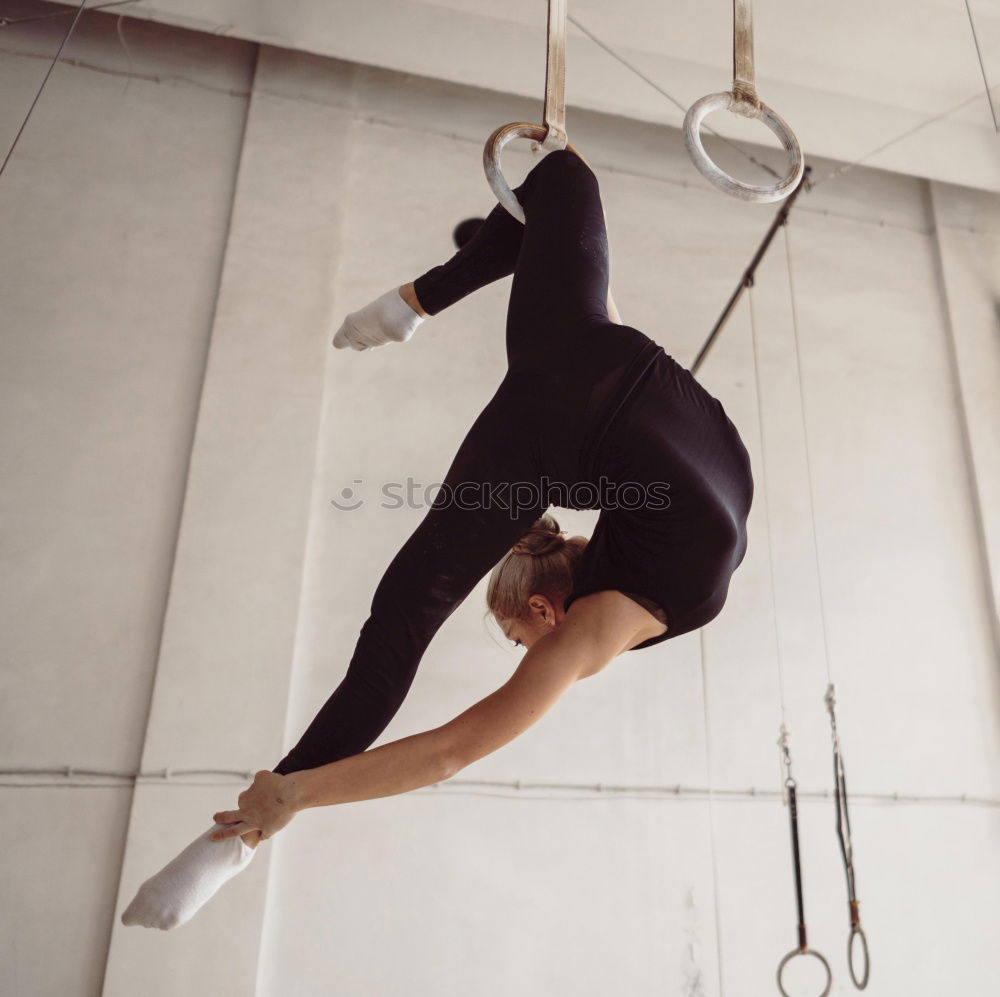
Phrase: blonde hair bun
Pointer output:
(543, 538)
(543, 561)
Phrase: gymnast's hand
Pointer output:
(266, 807)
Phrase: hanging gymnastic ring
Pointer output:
(491, 159)
(858, 931)
(742, 100)
(697, 113)
(805, 951)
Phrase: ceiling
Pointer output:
(849, 78)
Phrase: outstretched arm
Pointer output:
(595, 630)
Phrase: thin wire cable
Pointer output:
(766, 500)
(711, 811)
(52, 66)
(808, 449)
(833, 174)
(673, 100)
(844, 168)
(128, 54)
(982, 67)
(847, 167)
(13, 21)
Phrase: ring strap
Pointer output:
(555, 78)
(745, 99)
(793, 815)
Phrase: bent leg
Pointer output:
(488, 256)
(558, 200)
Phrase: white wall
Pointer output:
(115, 210)
(178, 256)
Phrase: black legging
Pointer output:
(545, 436)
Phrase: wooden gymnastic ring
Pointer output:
(491, 160)
(697, 113)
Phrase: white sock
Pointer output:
(185, 884)
(388, 319)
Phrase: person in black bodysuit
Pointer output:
(584, 401)
(591, 414)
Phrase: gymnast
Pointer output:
(591, 414)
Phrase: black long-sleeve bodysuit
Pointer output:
(585, 405)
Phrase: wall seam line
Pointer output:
(184, 496)
(975, 498)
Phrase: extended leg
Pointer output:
(474, 521)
